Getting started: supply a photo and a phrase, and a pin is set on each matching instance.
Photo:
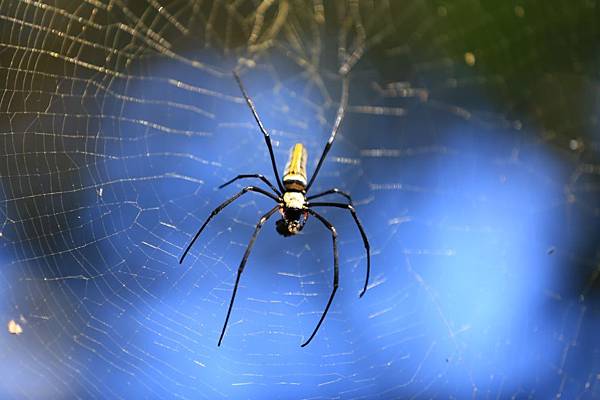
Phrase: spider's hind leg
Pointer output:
(266, 135)
(259, 176)
(331, 191)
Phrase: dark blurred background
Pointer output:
(470, 147)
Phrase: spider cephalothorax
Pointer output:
(294, 212)
(292, 202)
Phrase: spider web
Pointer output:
(470, 147)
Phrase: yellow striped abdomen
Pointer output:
(294, 175)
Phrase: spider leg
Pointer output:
(362, 233)
(331, 191)
(221, 207)
(261, 222)
(261, 127)
(338, 121)
(335, 272)
(259, 176)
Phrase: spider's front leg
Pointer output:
(221, 207)
(350, 208)
(260, 224)
(336, 272)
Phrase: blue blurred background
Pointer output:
(469, 147)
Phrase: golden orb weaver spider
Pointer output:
(292, 202)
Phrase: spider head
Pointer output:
(292, 222)
(294, 214)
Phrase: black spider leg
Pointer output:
(221, 207)
(338, 121)
(261, 222)
(261, 127)
(331, 191)
(259, 176)
(362, 233)
(335, 272)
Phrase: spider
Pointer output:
(292, 202)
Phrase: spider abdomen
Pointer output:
(294, 174)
